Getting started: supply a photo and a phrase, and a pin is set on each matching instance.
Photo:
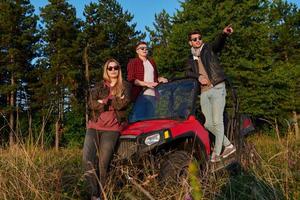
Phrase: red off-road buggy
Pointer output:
(173, 133)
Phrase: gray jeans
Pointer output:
(98, 151)
(212, 106)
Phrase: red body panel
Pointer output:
(148, 126)
(177, 128)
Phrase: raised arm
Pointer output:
(219, 42)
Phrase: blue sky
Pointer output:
(143, 10)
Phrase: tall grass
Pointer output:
(268, 169)
(36, 174)
(277, 162)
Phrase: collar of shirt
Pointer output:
(196, 57)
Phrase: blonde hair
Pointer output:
(118, 87)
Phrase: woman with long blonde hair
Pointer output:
(107, 103)
(118, 87)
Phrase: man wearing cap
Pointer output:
(204, 65)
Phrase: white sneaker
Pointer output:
(230, 149)
(215, 158)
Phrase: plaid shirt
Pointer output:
(135, 70)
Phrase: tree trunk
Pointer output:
(17, 131)
(295, 119)
(57, 127)
(87, 78)
(58, 117)
(30, 128)
(11, 115)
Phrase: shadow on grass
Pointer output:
(245, 185)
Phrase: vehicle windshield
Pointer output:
(173, 100)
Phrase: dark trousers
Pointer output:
(98, 151)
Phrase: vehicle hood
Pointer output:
(138, 128)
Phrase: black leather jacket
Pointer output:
(210, 61)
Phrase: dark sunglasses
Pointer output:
(143, 48)
(116, 68)
(196, 39)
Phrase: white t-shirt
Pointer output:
(148, 76)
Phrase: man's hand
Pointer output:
(162, 80)
(202, 80)
(151, 84)
(145, 84)
(228, 30)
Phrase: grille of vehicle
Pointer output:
(126, 148)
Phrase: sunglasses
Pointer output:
(110, 68)
(196, 39)
(143, 48)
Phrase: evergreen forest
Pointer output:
(48, 62)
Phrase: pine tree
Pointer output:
(108, 33)
(162, 27)
(18, 35)
(61, 28)
(285, 34)
(159, 40)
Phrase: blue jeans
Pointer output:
(144, 108)
(212, 106)
(98, 151)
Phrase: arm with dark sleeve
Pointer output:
(189, 70)
(119, 103)
(219, 43)
(93, 97)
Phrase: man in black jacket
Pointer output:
(204, 65)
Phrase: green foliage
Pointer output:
(159, 41)
(108, 33)
(18, 38)
(194, 181)
(45, 72)
(261, 57)
(74, 129)
(55, 89)
(162, 26)
(60, 66)
(60, 50)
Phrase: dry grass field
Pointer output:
(268, 169)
